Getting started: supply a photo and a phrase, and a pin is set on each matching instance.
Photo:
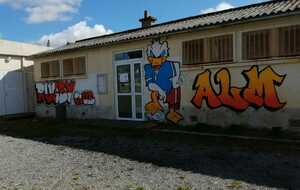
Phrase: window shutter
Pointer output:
(289, 39)
(45, 70)
(54, 69)
(220, 48)
(193, 52)
(207, 50)
(68, 67)
(256, 44)
(79, 66)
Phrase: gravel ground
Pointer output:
(123, 164)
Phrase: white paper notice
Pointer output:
(124, 77)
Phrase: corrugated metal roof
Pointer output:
(260, 10)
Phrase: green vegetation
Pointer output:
(132, 187)
(139, 188)
(184, 187)
(235, 185)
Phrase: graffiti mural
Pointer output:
(62, 92)
(260, 90)
(84, 98)
(163, 79)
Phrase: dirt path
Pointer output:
(123, 164)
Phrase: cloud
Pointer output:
(40, 11)
(220, 7)
(78, 31)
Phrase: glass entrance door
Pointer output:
(129, 91)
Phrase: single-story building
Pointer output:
(16, 77)
(234, 67)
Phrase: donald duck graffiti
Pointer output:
(163, 80)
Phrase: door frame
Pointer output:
(130, 62)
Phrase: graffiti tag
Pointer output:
(62, 92)
(260, 90)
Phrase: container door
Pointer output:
(14, 93)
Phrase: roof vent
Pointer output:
(147, 20)
(48, 43)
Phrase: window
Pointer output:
(276, 42)
(256, 44)
(79, 66)
(74, 66)
(45, 70)
(220, 48)
(129, 55)
(208, 50)
(50, 69)
(68, 67)
(289, 41)
(193, 52)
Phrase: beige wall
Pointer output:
(100, 61)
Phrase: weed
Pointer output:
(235, 185)
(185, 187)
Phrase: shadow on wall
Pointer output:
(261, 163)
(16, 91)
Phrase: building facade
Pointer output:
(235, 67)
(16, 77)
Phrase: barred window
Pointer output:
(193, 52)
(289, 41)
(74, 66)
(79, 66)
(208, 50)
(68, 67)
(50, 69)
(256, 44)
(220, 48)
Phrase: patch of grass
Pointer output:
(185, 187)
(75, 178)
(132, 187)
(235, 185)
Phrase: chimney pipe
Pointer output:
(48, 43)
(147, 20)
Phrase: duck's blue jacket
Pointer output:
(161, 77)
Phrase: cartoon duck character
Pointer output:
(163, 81)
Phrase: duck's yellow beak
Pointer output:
(156, 62)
